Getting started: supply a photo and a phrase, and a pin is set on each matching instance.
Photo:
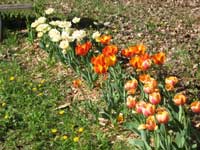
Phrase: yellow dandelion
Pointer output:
(54, 130)
(40, 94)
(6, 117)
(12, 78)
(64, 137)
(80, 130)
(61, 112)
(76, 139)
(3, 104)
(42, 81)
(34, 89)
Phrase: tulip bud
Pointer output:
(155, 98)
(131, 102)
(162, 115)
(195, 106)
(179, 99)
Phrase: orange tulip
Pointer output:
(141, 49)
(98, 60)
(131, 91)
(83, 49)
(100, 69)
(150, 86)
(170, 82)
(195, 106)
(130, 51)
(135, 61)
(105, 39)
(131, 84)
(99, 63)
(179, 99)
(159, 58)
(155, 98)
(144, 78)
(151, 123)
(146, 64)
(110, 50)
(148, 109)
(131, 102)
(110, 60)
(162, 115)
(139, 106)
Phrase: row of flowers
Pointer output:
(92, 55)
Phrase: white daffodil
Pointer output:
(49, 11)
(76, 20)
(40, 34)
(79, 34)
(54, 34)
(41, 20)
(64, 24)
(34, 24)
(64, 44)
(43, 28)
(96, 35)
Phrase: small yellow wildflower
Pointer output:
(64, 137)
(12, 78)
(54, 130)
(3, 104)
(120, 118)
(6, 117)
(40, 94)
(34, 89)
(76, 139)
(80, 130)
(42, 81)
(61, 112)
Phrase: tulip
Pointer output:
(151, 123)
(110, 60)
(110, 50)
(148, 109)
(105, 39)
(131, 84)
(141, 48)
(146, 64)
(144, 78)
(159, 58)
(195, 106)
(162, 115)
(131, 102)
(179, 99)
(170, 82)
(139, 106)
(155, 98)
(83, 49)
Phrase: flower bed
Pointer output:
(142, 100)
